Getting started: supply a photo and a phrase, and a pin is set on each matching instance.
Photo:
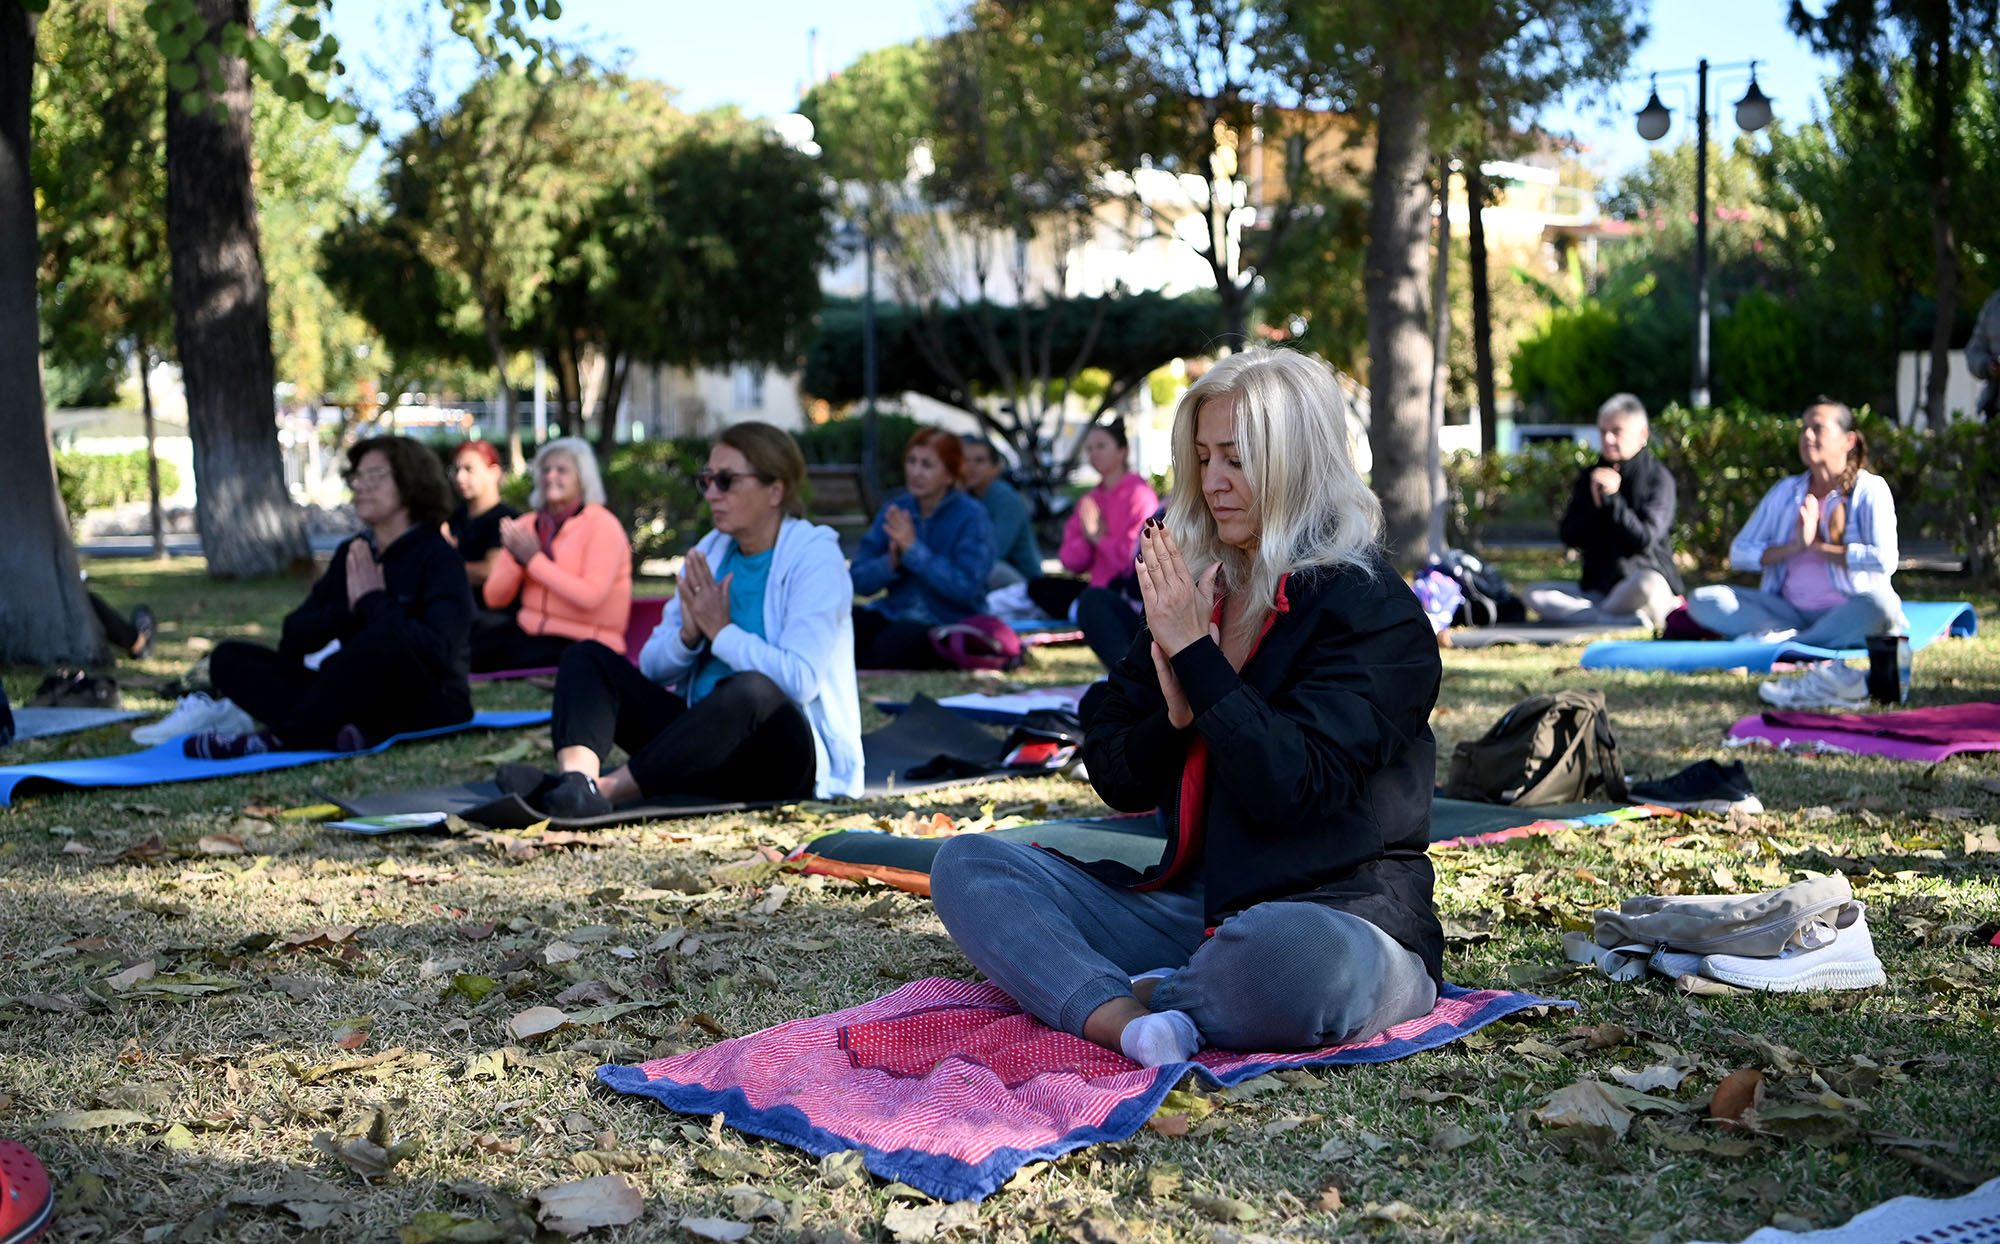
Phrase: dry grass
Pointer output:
(227, 1090)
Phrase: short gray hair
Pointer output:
(579, 452)
(1625, 406)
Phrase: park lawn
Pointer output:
(227, 1091)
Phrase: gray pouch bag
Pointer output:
(1759, 925)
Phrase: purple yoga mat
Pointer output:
(1927, 735)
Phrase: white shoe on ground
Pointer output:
(196, 714)
(1829, 685)
(1847, 962)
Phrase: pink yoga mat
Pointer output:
(1925, 735)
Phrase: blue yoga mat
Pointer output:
(159, 765)
(1930, 620)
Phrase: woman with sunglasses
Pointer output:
(746, 691)
(568, 567)
(395, 599)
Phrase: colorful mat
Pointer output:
(951, 1088)
(1924, 735)
(1970, 1219)
(1929, 621)
(157, 766)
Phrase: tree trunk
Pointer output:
(489, 318)
(1482, 308)
(158, 519)
(1399, 348)
(609, 394)
(222, 327)
(44, 617)
(1944, 240)
(1440, 368)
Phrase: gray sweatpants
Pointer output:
(1277, 976)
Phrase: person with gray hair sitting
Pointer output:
(1620, 518)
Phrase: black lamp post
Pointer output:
(1753, 112)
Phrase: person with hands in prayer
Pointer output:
(394, 600)
(1275, 711)
(746, 690)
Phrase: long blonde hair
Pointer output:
(1310, 505)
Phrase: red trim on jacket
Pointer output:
(1192, 809)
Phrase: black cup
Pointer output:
(1885, 677)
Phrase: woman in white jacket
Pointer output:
(1825, 542)
(746, 691)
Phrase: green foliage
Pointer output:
(1530, 486)
(838, 442)
(97, 481)
(649, 485)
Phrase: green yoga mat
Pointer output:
(1138, 840)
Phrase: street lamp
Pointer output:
(851, 236)
(1753, 113)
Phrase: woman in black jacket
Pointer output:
(1276, 713)
(396, 599)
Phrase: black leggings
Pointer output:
(118, 629)
(373, 684)
(499, 643)
(744, 740)
(885, 643)
(1109, 623)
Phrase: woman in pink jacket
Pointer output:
(1103, 530)
(568, 563)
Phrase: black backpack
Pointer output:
(1489, 601)
(1555, 748)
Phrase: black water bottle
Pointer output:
(1889, 668)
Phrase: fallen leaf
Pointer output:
(437, 1227)
(1739, 1091)
(131, 976)
(1593, 1103)
(715, 1228)
(594, 992)
(535, 1021)
(1451, 1137)
(1393, 1211)
(729, 1164)
(316, 1204)
(47, 1002)
(1163, 1181)
(351, 1038)
(220, 844)
(1224, 1209)
(909, 1223)
(575, 1207)
(843, 1167)
(322, 936)
(560, 951)
(1657, 1076)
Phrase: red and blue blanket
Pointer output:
(950, 1087)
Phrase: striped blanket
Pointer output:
(950, 1087)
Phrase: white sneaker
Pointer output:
(1847, 962)
(1776, 635)
(196, 714)
(1828, 685)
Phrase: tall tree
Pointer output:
(1942, 39)
(222, 326)
(44, 616)
(1418, 68)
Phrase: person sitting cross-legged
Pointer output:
(746, 691)
(1825, 540)
(929, 552)
(1276, 712)
(1621, 519)
(395, 599)
(1017, 558)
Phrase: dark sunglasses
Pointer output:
(725, 480)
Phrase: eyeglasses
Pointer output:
(725, 480)
(368, 479)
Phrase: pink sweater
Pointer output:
(1126, 507)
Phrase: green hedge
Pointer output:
(1947, 486)
(98, 481)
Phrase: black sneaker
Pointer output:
(527, 781)
(574, 797)
(1703, 786)
(147, 626)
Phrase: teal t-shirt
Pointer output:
(746, 609)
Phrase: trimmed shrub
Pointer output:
(98, 481)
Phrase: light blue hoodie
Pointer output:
(1870, 535)
(808, 615)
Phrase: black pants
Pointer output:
(499, 643)
(375, 686)
(118, 629)
(744, 740)
(885, 643)
(1054, 595)
(1109, 623)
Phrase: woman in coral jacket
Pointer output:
(568, 563)
(1276, 712)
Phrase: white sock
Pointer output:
(1160, 1037)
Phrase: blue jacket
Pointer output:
(1871, 534)
(1013, 529)
(808, 649)
(943, 575)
